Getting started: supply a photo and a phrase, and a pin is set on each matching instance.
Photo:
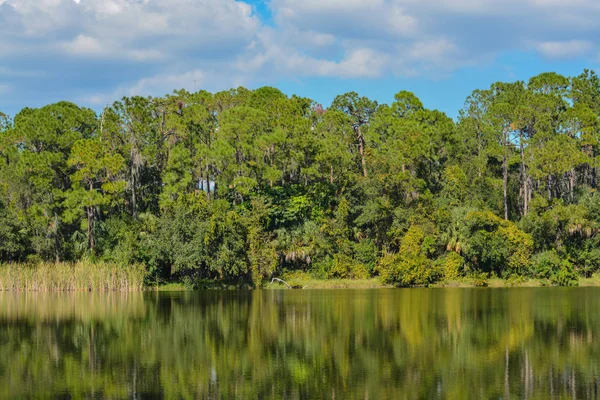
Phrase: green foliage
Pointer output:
(450, 266)
(243, 185)
(565, 276)
(345, 267)
(479, 279)
(411, 265)
(551, 266)
(546, 264)
(495, 245)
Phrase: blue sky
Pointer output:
(93, 52)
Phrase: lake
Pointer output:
(534, 343)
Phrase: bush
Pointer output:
(565, 276)
(344, 267)
(496, 245)
(588, 260)
(549, 265)
(479, 279)
(411, 266)
(365, 253)
(545, 264)
(449, 266)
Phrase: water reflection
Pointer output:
(371, 344)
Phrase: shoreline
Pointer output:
(375, 283)
(108, 277)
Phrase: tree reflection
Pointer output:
(418, 343)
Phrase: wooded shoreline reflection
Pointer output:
(378, 344)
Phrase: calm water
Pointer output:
(363, 344)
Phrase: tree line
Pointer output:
(243, 185)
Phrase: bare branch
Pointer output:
(282, 281)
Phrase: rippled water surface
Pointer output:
(537, 343)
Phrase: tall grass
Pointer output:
(65, 277)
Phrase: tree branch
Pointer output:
(282, 281)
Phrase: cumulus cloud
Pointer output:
(99, 49)
(442, 35)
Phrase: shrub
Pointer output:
(545, 264)
(496, 245)
(411, 266)
(588, 260)
(549, 265)
(365, 253)
(449, 266)
(565, 275)
(479, 279)
(344, 267)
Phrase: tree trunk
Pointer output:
(90, 217)
(524, 179)
(207, 181)
(571, 184)
(594, 175)
(361, 149)
(529, 191)
(133, 193)
(505, 185)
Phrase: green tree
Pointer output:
(95, 183)
(360, 110)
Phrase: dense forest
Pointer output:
(245, 185)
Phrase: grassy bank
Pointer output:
(86, 276)
(304, 280)
(373, 283)
(65, 277)
(593, 281)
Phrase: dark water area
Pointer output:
(534, 343)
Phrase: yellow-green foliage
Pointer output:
(449, 266)
(519, 245)
(410, 266)
(81, 276)
(344, 267)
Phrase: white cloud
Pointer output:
(105, 48)
(359, 63)
(160, 84)
(165, 83)
(127, 28)
(565, 49)
(441, 35)
(432, 50)
(85, 45)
